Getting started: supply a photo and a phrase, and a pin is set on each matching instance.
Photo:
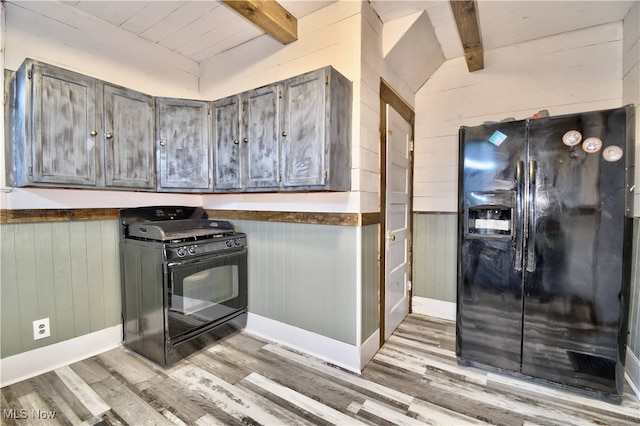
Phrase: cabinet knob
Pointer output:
(245, 140)
(236, 141)
(94, 133)
(284, 134)
(108, 135)
(162, 143)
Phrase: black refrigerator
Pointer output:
(544, 253)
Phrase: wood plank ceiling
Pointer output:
(200, 30)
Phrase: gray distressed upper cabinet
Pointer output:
(260, 153)
(128, 135)
(184, 157)
(54, 128)
(316, 132)
(70, 130)
(245, 139)
(292, 135)
(226, 143)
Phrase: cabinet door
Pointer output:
(183, 152)
(226, 144)
(303, 130)
(128, 138)
(260, 138)
(64, 127)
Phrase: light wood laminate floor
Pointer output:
(413, 380)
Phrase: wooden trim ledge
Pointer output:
(318, 218)
(55, 215)
(65, 215)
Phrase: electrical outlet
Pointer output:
(41, 329)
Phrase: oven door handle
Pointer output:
(206, 259)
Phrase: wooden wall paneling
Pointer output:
(633, 343)
(10, 325)
(535, 72)
(435, 256)
(62, 281)
(330, 34)
(94, 47)
(110, 256)
(65, 271)
(79, 278)
(95, 278)
(370, 267)
(631, 94)
(631, 82)
(27, 286)
(303, 275)
(421, 262)
(44, 297)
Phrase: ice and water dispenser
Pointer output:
(489, 214)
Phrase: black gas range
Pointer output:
(184, 279)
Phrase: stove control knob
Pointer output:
(193, 249)
(181, 252)
(236, 241)
(229, 243)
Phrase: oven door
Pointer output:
(205, 292)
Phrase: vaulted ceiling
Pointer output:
(200, 30)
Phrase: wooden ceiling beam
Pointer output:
(270, 16)
(466, 15)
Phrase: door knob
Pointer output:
(391, 237)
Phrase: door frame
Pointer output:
(388, 96)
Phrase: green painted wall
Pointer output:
(435, 255)
(633, 343)
(304, 275)
(65, 271)
(370, 313)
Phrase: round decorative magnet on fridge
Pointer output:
(572, 137)
(592, 145)
(612, 153)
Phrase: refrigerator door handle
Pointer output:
(518, 216)
(531, 218)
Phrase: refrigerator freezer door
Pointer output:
(491, 187)
(574, 253)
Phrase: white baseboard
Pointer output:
(434, 308)
(333, 351)
(632, 371)
(29, 364)
(369, 348)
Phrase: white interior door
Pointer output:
(397, 294)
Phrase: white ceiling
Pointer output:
(503, 23)
(203, 29)
(198, 29)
